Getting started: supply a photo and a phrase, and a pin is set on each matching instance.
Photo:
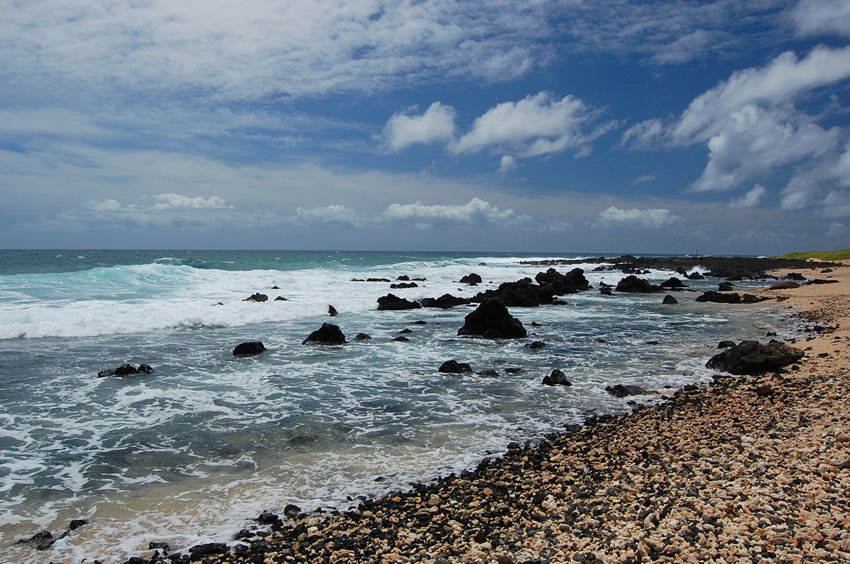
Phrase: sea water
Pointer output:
(192, 452)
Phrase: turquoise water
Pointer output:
(191, 452)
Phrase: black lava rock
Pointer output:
(471, 279)
(249, 349)
(623, 390)
(669, 300)
(492, 320)
(455, 367)
(391, 302)
(557, 378)
(258, 297)
(327, 334)
(751, 357)
(633, 284)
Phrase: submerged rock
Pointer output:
(725, 287)
(492, 320)
(669, 300)
(249, 349)
(126, 370)
(404, 285)
(557, 378)
(42, 540)
(362, 337)
(258, 297)
(751, 357)
(729, 298)
(445, 301)
(535, 345)
(673, 282)
(633, 284)
(455, 367)
(327, 334)
(391, 302)
(471, 279)
(623, 390)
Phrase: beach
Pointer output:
(745, 468)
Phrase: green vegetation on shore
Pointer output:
(841, 254)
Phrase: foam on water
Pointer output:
(191, 452)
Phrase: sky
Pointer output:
(543, 126)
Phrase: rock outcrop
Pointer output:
(751, 357)
(491, 319)
(327, 334)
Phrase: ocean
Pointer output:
(195, 450)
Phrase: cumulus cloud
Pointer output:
(171, 200)
(539, 124)
(404, 130)
(506, 164)
(644, 179)
(652, 218)
(474, 210)
(821, 17)
(750, 199)
(332, 214)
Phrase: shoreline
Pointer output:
(746, 467)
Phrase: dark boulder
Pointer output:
(391, 302)
(726, 344)
(535, 345)
(126, 370)
(327, 334)
(490, 373)
(695, 275)
(281, 299)
(821, 281)
(557, 378)
(471, 279)
(522, 293)
(403, 278)
(249, 349)
(669, 300)
(145, 369)
(445, 301)
(673, 282)
(258, 297)
(560, 284)
(77, 523)
(332, 311)
(209, 549)
(725, 287)
(362, 337)
(729, 298)
(633, 284)
(291, 511)
(378, 280)
(403, 285)
(623, 390)
(795, 276)
(401, 339)
(751, 357)
(492, 320)
(455, 367)
(606, 291)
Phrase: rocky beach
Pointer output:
(746, 468)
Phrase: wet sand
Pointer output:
(747, 468)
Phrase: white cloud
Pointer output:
(686, 47)
(475, 209)
(506, 164)
(171, 200)
(836, 204)
(105, 205)
(819, 17)
(837, 229)
(650, 218)
(539, 124)
(644, 179)
(750, 199)
(436, 124)
(332, 214)
(645, 134)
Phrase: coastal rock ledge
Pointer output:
(751, 357)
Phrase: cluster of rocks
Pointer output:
(126, 370)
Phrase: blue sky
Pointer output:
(571, 126)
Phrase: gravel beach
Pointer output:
(744, 469)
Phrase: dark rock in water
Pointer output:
(606, 291)
(420, 322)
(729, 298)
(557, 378)
(522, 293)
(378, 280)
(405, 331)
(669, 300)
(821, 281)
(535, 345)
(208, 549)
(403, 278)
(492, 320)
(362, 337)
(751, 357)
(401, 339)
(159, 545)
(258, 297)
(126, 370)
(673, 282)
(145, 369)
(560, 284)
(275, 287)
(77, 523)
(652, 342)
(332, 311)
(489, 373)
(403, 285)
(249, 349)
(391, 302)
(105, 373)
(455, 367)
(281, 299)
(695, 275)
(682, 271)
(42, 540)
(623, 390)
(633, 284)
(445, 301)
(513, 370)
(751, 299)
(787, 285)
(725, 287)
(327, 334)
(726, 344)
(537, 324)
(269, 518)
(471, 279)
(291, 511)
(795, 276)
